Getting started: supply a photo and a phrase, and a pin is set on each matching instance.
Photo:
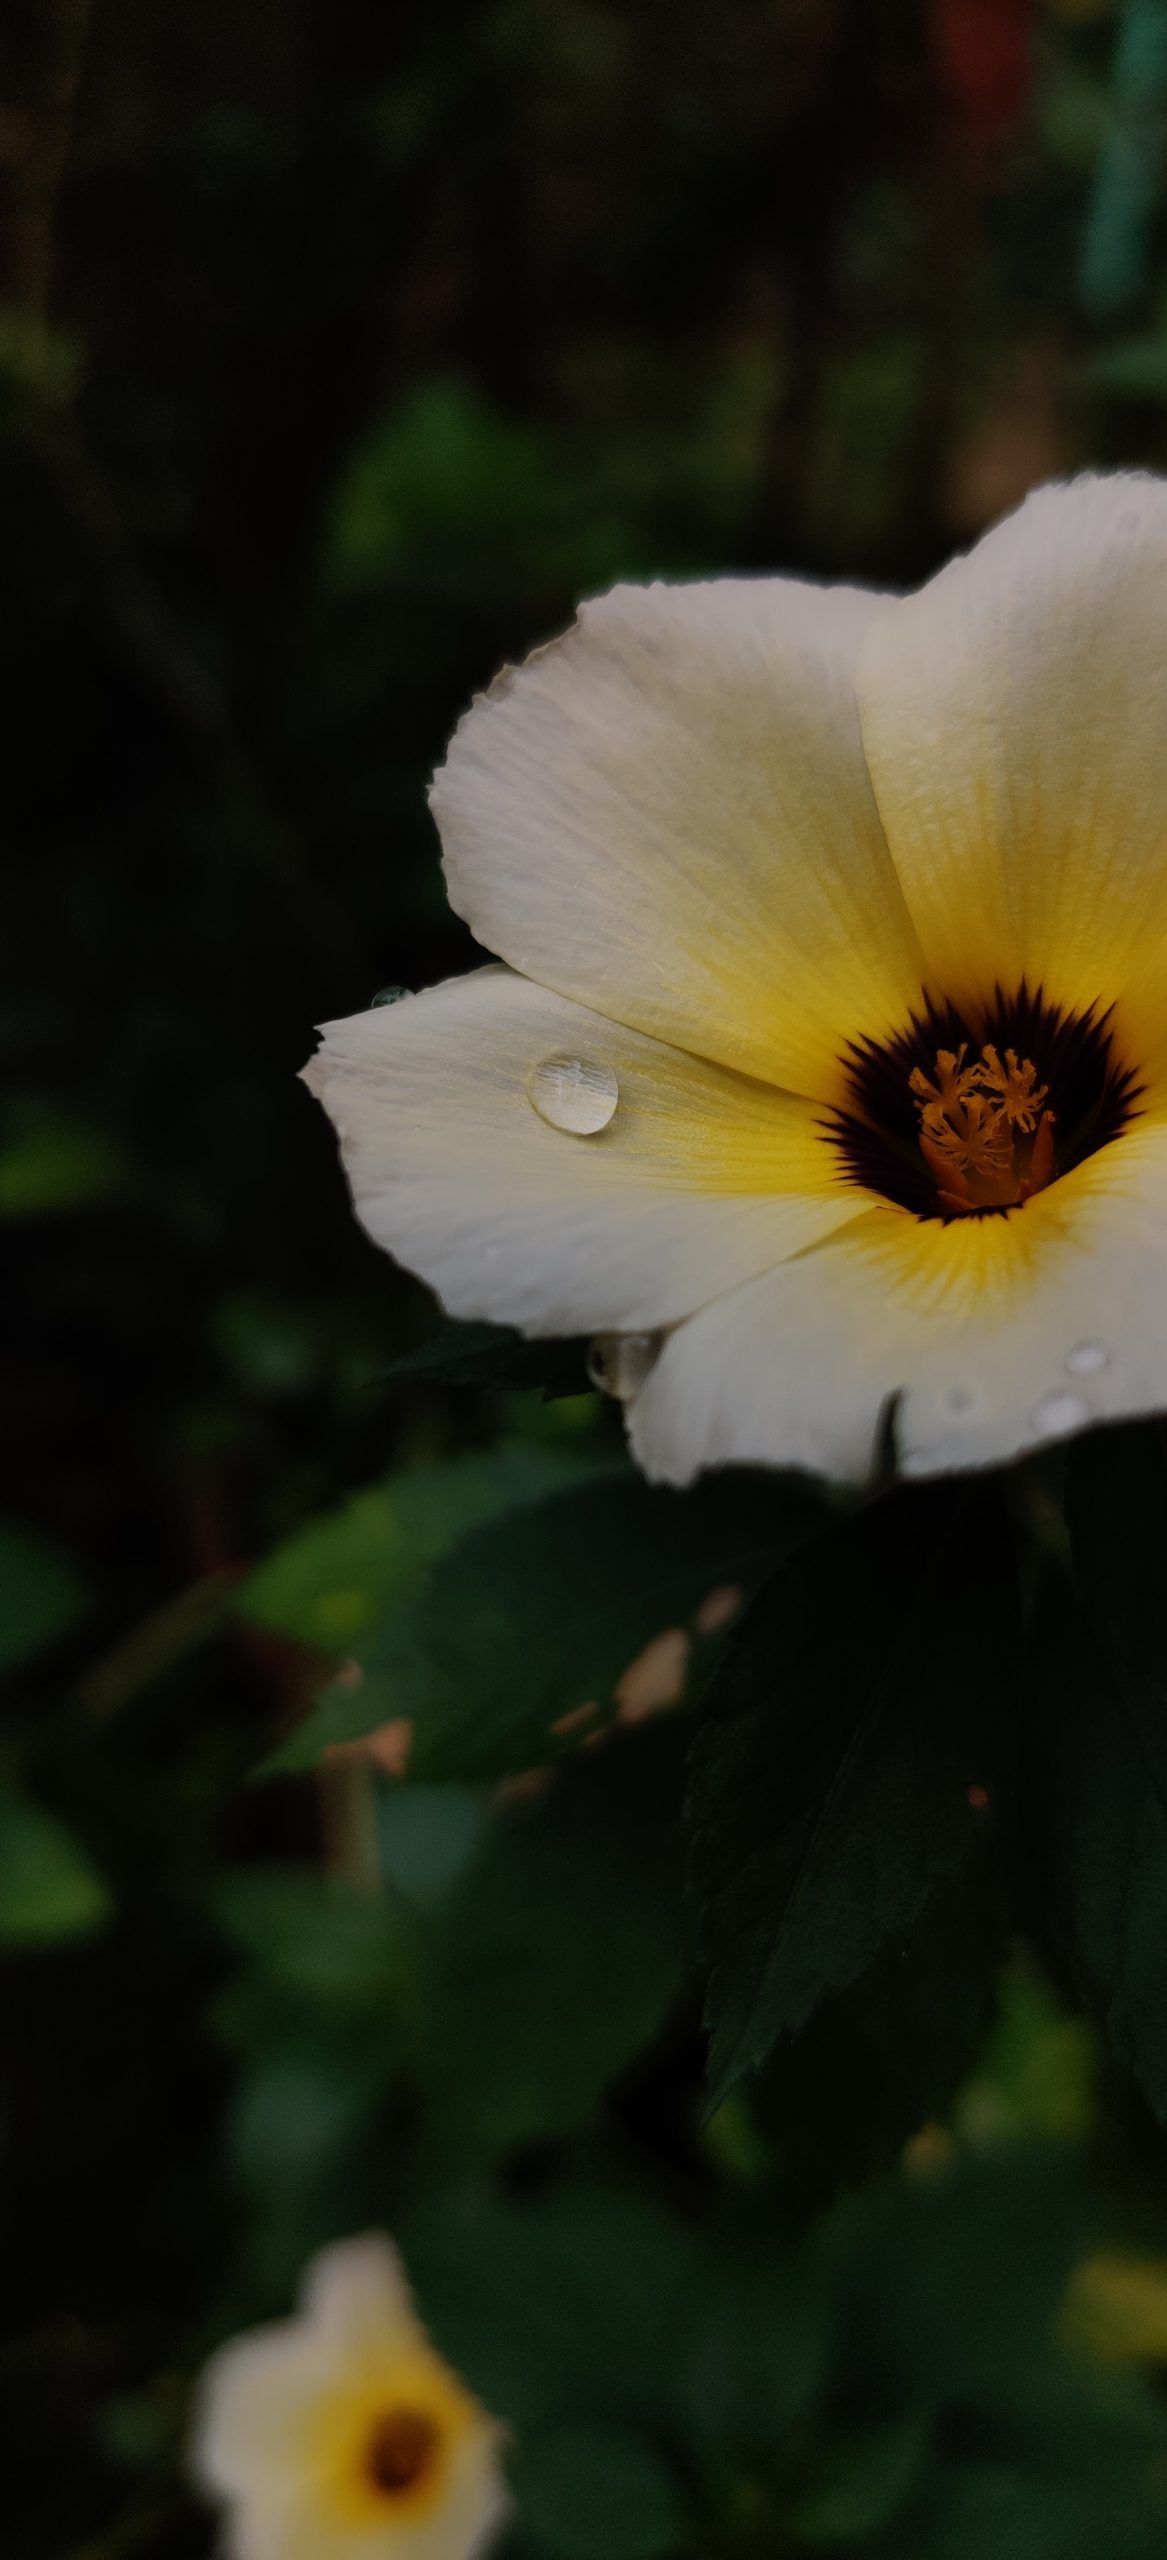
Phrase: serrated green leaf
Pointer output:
(852, 1748)
(598, 2492)
(532, 1617)
(48, 1888)
(1098, 1681)
(41, 1595)
(906, 2034)
(494, 1355)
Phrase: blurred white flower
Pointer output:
(341, 2434)
(829, 1065)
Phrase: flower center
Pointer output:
(983, 1132)
(969, 1113)
(400, 2449)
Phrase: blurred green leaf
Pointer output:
(847, 1757)
(950, 2281)
(334, 1582)
(317, 1938)
(867, 2476)
(51, 1161)
(532, 1618)
(561, 1954)
(598, 2493)
(574, 2306)
(449, 494)
(1036, 2073)
(48, 1888)
(494, 1355)
(760, 2343)
(1010, 2513)
(427, 1837)
(42, 1596)
(1135, 369)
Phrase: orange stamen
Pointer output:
(983, 1134)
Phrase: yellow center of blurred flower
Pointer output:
(401, 2446)
(387, 2436)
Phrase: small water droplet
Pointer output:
(390, 995)
(1086, 1358)
(960, 1400)
(1059, 1411)
(574, 1094)
(619, 1363)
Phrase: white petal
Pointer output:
(997, 1334)
(356, 2295)
(667, 814)
(296, 2523)
(700, 1179)
(255, 2397)
(1015, 721)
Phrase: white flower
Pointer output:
(341, 2434)
(831, 1052)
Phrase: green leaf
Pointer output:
(427, 1837)
(340, 1576)
(950, 2284)
(598, 2493)
(999, 2511)
(574, 2306)
(907, 2034)
(1098, 1681)
(560, 1955)
(321, 1942)
(535, 1616)
(851, 1751)
(761, 2342)
(866, 2477)
(494, 1355)
(48, 1889)
(41, 1595)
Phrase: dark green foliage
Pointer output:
(1098, 1778)
(550, 1987)
(41, 1596)
(493, 1355)
(598, 2493)
(853, 1748)
(906, 2035)
(341, 351)
(530, 1618)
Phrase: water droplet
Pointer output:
(1086, 1358)
(1059, 1411)
(574, 1094)
(960, 1400)
(619, 1363)
(390, 995)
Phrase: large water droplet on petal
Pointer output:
(1086, 1358)
(575, 1094)
(1059, 1411)
(619, 1363)
(390, 995)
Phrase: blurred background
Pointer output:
(342, 348)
